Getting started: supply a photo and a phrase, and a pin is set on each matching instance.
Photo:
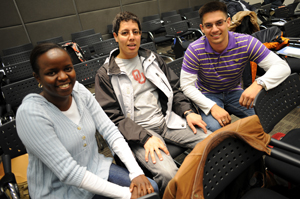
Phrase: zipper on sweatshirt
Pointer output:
(163, 81)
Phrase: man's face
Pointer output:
(129, 39)
(215, 27)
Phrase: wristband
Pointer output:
(188, 112)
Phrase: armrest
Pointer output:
(196, 30)
(278, 19)
(149, 34)
(8, 177)
(294, 39)
(166, 56)
(173, 36)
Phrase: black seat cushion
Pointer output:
(258, 193)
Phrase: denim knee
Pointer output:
(213, 126)
(154, 185)
(212, 123)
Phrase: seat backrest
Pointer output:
(172, 19)
(10, 141)
(169, 13)
(17, 49)
(282, 12)
(110, 29)
(194, 22)
(149, 46)
(184, 10)
(293, 6)
(266, 8)
(190, 15)
(104, 47)
(151, 26)
(226, 162)
(176, 65)
(86, 71)
(292, 28)
(89, 40)
(271, 106)
(83, 33)
(15, 92)
(18, 71)
(86, 51)
(177, 28)
(55, 40)
(256, 5)
(151, 17)
(285, 12)
(16, 58)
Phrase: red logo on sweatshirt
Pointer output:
(139, 77)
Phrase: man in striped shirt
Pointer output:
(213, 66)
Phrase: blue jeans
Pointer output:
(228, 101)
(120, 176)
(163, 171)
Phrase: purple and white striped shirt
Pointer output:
(222, 72)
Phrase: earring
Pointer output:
(40, 85)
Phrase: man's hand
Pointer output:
(249, 95)
(140, 186)
(220, 115)
(152, 145)
(195, 119)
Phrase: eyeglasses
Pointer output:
(218, 24)
(125, 33)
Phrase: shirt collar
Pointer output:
(231, 43)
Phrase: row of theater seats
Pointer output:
(283, 17)
(179, 28)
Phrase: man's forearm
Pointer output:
(277, 70)
(187, 82)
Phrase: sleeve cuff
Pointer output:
(207, 110)
(145, 139)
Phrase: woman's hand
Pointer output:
(140, 186)
(154, 145)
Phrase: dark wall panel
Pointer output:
(12, 36)
(142, 9)
(98, 20)
(44, 19)
(125, 2)
(47, 29)
(194, 3)
(168, 5)
(93, 5)
(32, 10)
(8, 14)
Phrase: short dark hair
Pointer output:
(212, 7)
(38, 51)
(124, 16)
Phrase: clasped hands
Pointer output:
(140, 186)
